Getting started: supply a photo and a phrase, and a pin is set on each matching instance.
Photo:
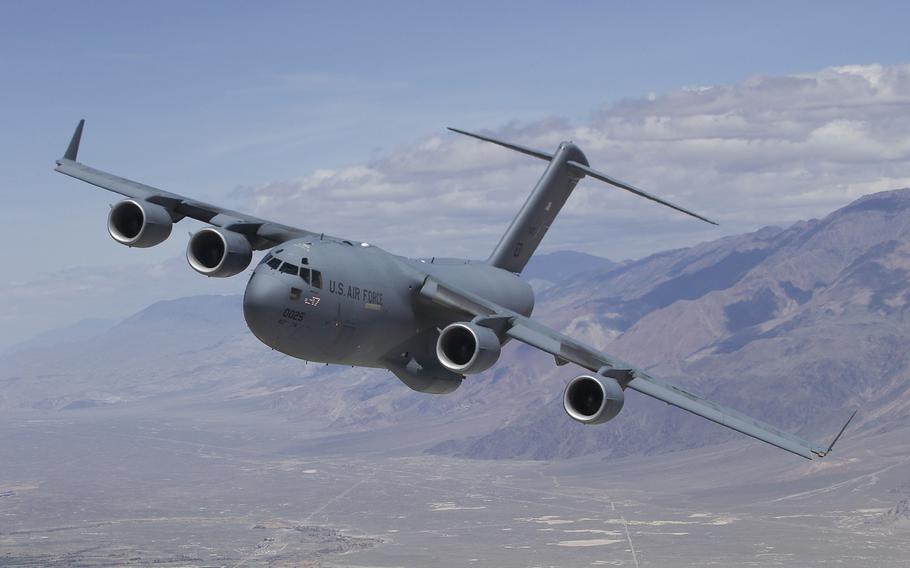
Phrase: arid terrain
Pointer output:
(111, 488)
(172, 437)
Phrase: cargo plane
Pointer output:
(431, 322)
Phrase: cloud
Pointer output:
(768, 150)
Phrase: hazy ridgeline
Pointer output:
(178, 420)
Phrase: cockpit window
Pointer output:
(275, 263)
(266, 258)
(305, 274)
(316, 279)
(288, 268)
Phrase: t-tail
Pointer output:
(567, 166)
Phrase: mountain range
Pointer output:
(795, 325)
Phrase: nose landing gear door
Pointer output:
(343, 328)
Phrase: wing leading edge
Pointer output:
(261, 233)
(565, 349)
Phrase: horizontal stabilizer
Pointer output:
(588, 171)
(509, 145)
(582, 169)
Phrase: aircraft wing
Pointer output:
(262, 233)
(508, 324)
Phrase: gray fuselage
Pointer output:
(354, 303)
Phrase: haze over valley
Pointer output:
(173, 436)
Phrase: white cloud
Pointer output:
(766, 150)
(763, 151)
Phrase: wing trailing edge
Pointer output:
(509, 324)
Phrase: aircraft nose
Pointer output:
(263, 302)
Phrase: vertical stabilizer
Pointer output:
(519, 242)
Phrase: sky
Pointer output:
(332, 116)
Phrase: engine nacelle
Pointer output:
(218, 253)
(136, 223)
(593, 399)
(467, 348)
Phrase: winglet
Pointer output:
(823, 453)
(73, 149)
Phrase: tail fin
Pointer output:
(567, 165)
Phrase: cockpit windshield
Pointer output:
(310, 276)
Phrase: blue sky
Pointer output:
(218, 100)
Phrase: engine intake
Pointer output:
(139, 224)
(593, 399)
(467, 348)
(218, 253)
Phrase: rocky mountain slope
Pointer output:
(795, 325)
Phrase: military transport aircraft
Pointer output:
(431, 322)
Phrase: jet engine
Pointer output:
(140, 224)
(593, 399)
(467, 348)
(219, 253)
